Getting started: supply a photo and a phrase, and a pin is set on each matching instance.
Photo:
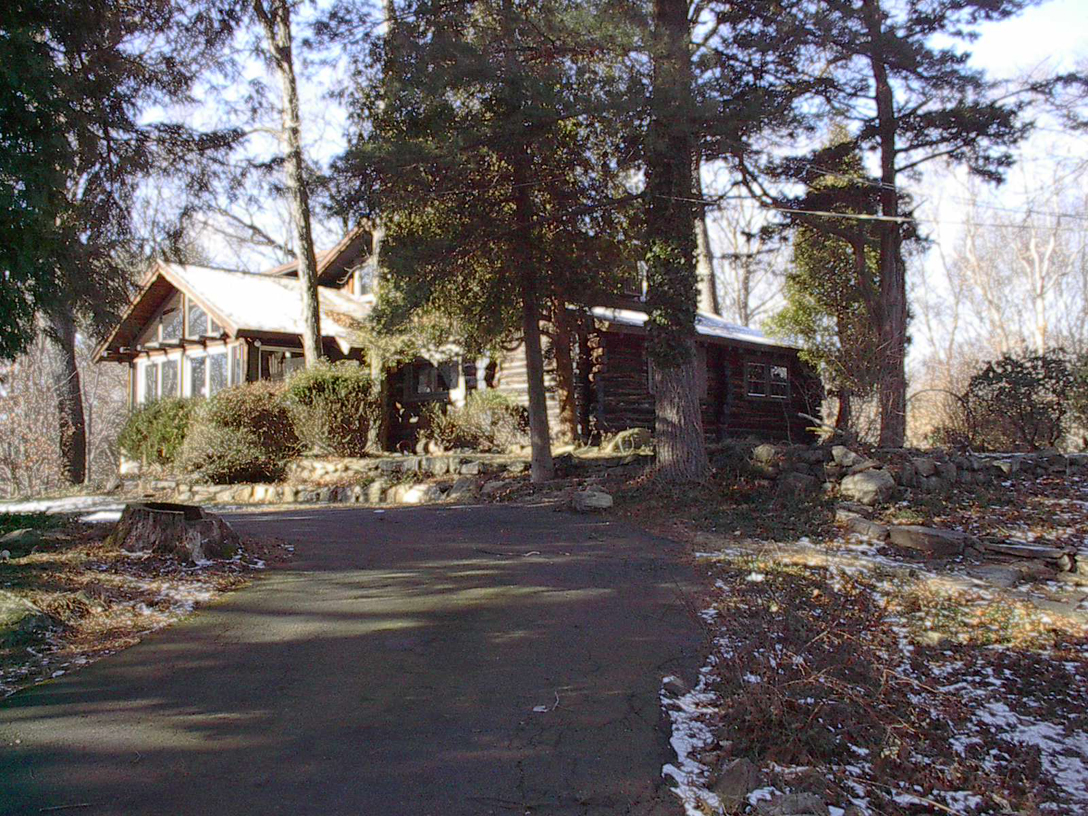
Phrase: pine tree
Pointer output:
(494, 176)
(110, 64)
(911, 101)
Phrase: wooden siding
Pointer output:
(513, 382)
(618, 396)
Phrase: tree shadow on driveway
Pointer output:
(417, 661)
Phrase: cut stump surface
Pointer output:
(183, 530)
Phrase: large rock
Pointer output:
(940, 543)
(734, 782)
(20, 542)
(793, 804)
(587, 501)
(869, 487)
(20, 620)
(844, 457)
(462, 490)
(926, 467)
(867, 529)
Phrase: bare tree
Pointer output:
(750, 269)
(274, 17)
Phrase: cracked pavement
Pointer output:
(453, 660)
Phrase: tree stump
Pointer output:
(182, 530)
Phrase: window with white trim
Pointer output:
(151, 381)
(217, 373)
(198, 321)
(198, 374)
(170, 370)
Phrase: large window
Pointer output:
(171, 323)
(237, 376)
(217, 373)
(198, 368)
(151, 382)
(766, 381)
(198, 321)
(169, 378)
(279, 365)
(428, 381)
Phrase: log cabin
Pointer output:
(193, 330)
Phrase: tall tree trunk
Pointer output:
(670, 228)
(276, 21)
(704, 254)
(893, 288)
(541, 467)
(845, 414)
(564, 373)
(72, 423)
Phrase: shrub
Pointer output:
(487, 421)
(154, 432)
(334, 408)
(221, 455)
(1019, 403)
(242, 434)
(261, 409)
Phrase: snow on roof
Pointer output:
(706, 324)
(270, 304)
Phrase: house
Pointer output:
(192, 330)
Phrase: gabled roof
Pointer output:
(242, 302)
(710, 326)
(334, 264)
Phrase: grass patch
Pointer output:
(28, 521)
(728, 505)
(877, 688)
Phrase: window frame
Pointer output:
(771, 387)
(412, 392)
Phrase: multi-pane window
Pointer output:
(169, 379)
(216, 328)
(198, 321)
(198, 367)
(151, 382)
(766, 380)
(217, 373)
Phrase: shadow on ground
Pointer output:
(417, 661)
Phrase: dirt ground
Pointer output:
(96, 599)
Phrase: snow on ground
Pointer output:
(67, 504)
(987, 711)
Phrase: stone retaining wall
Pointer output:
(873, 479)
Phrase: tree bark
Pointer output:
(275, 19)
(564, 373)
(893, 291)
(72, 423)
(541, 466)
(845, 414)
(670, 228)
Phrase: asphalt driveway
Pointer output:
(485, 660)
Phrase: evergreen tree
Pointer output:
(110, 64)
(33, 159)
(496, 178)
(910, 101)
(833, 290)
